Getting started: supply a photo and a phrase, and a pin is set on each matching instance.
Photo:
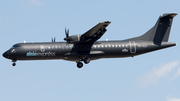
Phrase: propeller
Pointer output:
(68, 39)
(53, 40)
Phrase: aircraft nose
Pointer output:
(5, 54)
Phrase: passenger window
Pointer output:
(112, 45)
(109, 45)
(119, 45)
(59, 47)
(102, 46)
(106, 46)
(116, 45)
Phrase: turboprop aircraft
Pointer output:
(85, 47)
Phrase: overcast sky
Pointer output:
(153, 76)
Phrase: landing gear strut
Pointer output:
(14, 62)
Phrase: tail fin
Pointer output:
(160, 31)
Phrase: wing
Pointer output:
(96, 32)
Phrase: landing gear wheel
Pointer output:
(79, 64)
(86, 60)
(14, 64)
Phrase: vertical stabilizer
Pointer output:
(160, 31)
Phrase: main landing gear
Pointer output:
(85, 59)
(79, 64)
(14, 62)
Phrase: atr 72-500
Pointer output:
(85, 47)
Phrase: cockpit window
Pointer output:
(14, 46)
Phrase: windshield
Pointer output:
(14, 46)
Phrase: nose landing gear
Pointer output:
(14, 60)
(14, 64)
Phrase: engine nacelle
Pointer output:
(73, 39)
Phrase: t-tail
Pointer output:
(160, 31)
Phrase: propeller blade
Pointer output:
(67, 33)
(67, 38)
(55, 39)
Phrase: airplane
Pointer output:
(85, 47)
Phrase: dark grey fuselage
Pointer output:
(72, 52)
(85, 47)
